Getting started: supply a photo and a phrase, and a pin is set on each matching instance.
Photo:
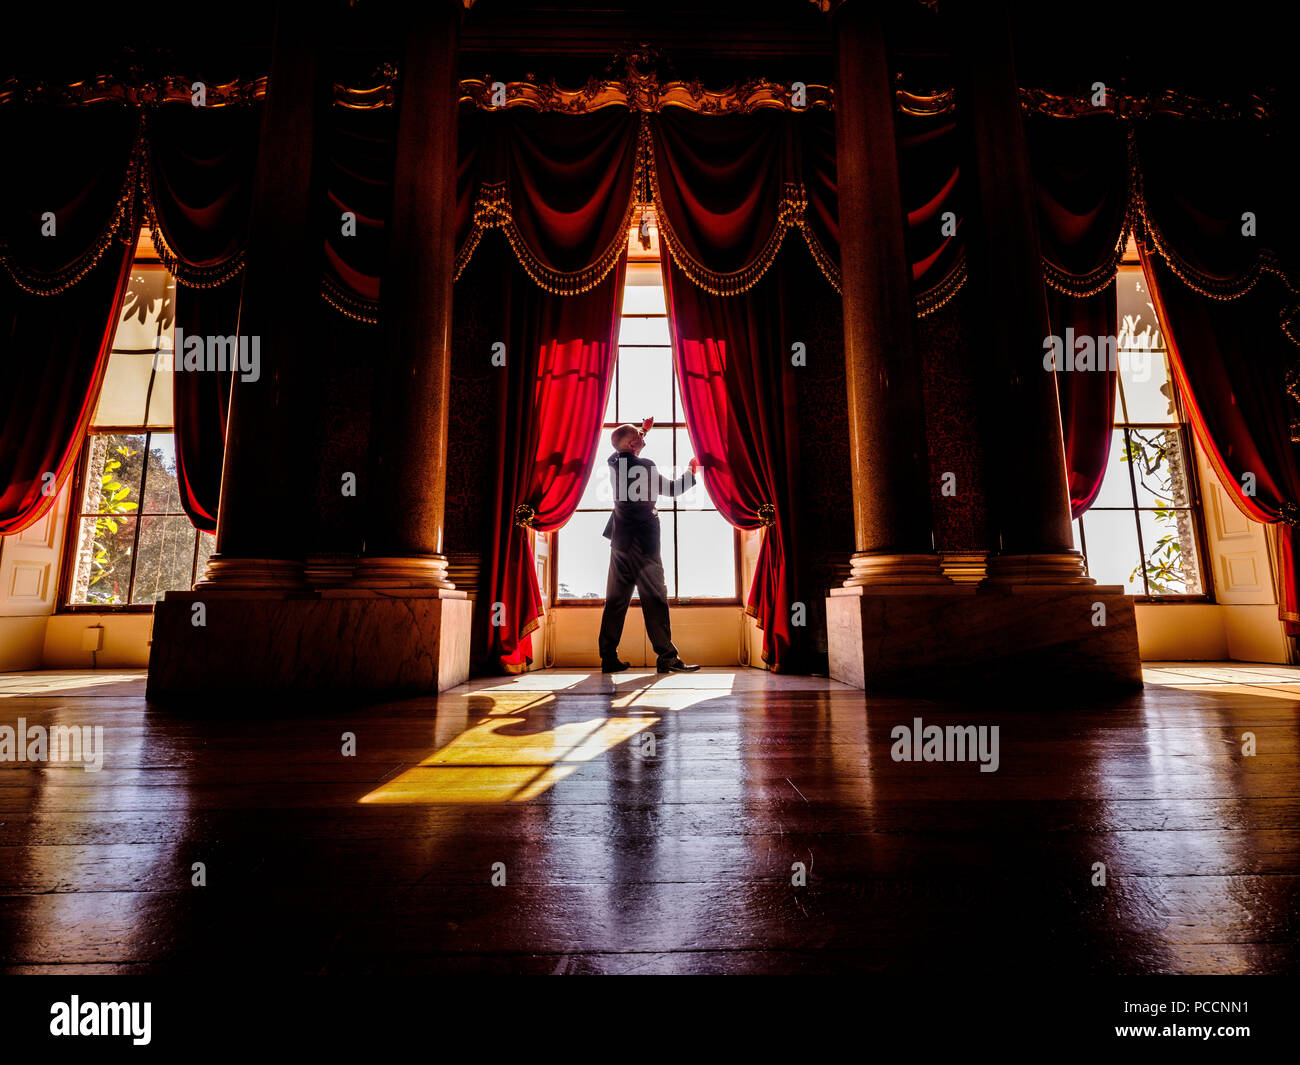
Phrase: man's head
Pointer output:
(628, 438)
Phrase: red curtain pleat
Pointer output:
(1081, 176)
(1087, 397)
(201, 175)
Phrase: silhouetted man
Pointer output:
(634, 559)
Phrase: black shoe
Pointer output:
(614, 667)
(676, 666)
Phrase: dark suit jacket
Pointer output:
(637, 484)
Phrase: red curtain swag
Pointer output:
(66, 231)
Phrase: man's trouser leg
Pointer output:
(618, 594)
(652, 589)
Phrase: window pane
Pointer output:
(162, 493)
(706, 563)
(698, 497)
(113, 468)
(102, 569)
(645, 384)
(669, 555)
(125, 390)
(600, 488)
(611, 405)
(147, 311)
(207, 544)
(1159, 468)
(1113, 556)
(1172, 565)
(644, 299)
(1146, 392)
(1115, 488)
(659, 450)
(582, 557)
(636, 332)
(164, 558)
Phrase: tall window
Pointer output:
(1142, 530)
(130, 540)
(699, 545)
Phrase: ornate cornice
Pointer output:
(638, 90)
(109, 88)
(922, 104)
(1141, 105)
(643, 92)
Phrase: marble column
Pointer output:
(887, 434)
(253, 627)
(1028, 478)
(406, 491)
(1036, 620)
(265, 497)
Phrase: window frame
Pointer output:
(72, 530)
(145, 256)
(1196, 502)
(679, 422)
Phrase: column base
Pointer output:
(980, 642)
(222, 571)
(345, 641)
(867, 568)
(1066, 567)
(401, 571)
(330, 571)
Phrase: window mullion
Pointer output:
(139, 517)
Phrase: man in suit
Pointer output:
(634, 558)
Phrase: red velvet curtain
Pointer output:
(1217, 228)
(67, 226)
(1233, 364)
(561, 352)
(738, 389)
(201, 165)
(560, 187)
(1081, 172)
(723, 192)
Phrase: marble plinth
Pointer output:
(346, 641)
(952, 640)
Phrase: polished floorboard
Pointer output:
(563, 822)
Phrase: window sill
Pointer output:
(569, 604)
(108, 608)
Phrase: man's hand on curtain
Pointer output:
(694, 465)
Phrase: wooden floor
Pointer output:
(617, 859)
